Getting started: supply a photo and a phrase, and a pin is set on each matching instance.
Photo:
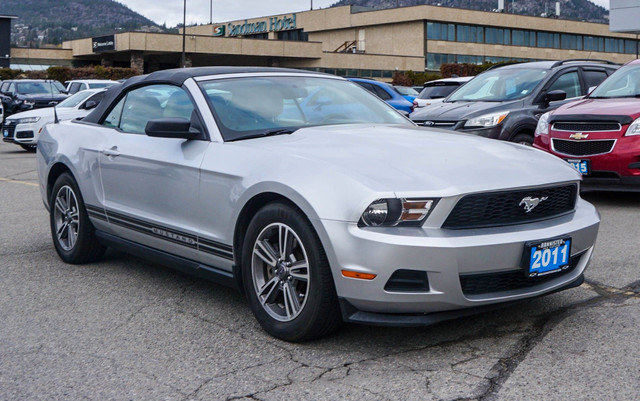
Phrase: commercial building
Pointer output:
(355, 41)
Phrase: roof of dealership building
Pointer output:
(354, 41)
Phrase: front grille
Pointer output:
(583, 148)
(478, 284)
(509, 207)
(437, 124)
(587, 127)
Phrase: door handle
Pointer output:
(111, 152)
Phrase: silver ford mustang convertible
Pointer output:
(313, 197)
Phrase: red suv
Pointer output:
(600, 134)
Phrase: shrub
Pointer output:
(411, 78)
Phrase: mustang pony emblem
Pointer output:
(531, 203)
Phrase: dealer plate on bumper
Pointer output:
(582, 166)
(546, 257)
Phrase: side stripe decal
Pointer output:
(165, 233)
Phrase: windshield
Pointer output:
(623, 83)
(406, 91)
(37, 88)
(439, 91)
(101, 85)
(499, 85)
(257, 106)
(76, 99)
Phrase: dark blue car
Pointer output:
(385, 92)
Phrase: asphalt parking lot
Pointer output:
(128, 329)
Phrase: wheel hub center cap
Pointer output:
(283, 271)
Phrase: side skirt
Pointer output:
(172, 261)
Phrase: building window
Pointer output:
(438, 31)
(296, 35)
(264, 35)
(630, 46)
(523, 38)
(549, 40)
(594, 44)
(470, 33)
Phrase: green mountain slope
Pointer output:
(581, 10)
(43, 22)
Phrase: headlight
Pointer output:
(28, 120)
(543, 125)
(634, 128)
(397, 212)
(487, 121)
(27, 103)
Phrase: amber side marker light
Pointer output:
(358, 275)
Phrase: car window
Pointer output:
(569, 83)
(39, 88)
(438, 91)
(623, 83)
(12, 88)
(383, 94)
(367, 86)
(246, 108)
(499, 85)
(153, 102)
(96, 85)
(96, 98)
(4, 87)
(113, 119)
(74, 100)
(594, 77)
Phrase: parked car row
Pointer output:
(25, 128)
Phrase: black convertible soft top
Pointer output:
(176, 76)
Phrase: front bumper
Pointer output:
(445, 256)
(21, 134)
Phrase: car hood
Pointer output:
(413, 161)
(609, 107)
(47, 112)
(457, 111)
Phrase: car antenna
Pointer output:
(55, 112)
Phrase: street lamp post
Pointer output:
(184, 33)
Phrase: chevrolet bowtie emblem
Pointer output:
(579, 135)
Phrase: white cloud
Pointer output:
(198, 11)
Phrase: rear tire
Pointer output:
(71, 230)
(291, 292)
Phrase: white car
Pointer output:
(435, 92)
(78, 85)
(24, 128)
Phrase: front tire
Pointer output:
(287, 277)
(523, 139)
(29, 148)
(71, 230)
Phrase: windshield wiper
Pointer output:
(273, 132)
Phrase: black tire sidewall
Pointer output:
(79, 252)
(302, 326)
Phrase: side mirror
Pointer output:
(170, 128)
(91, 104)
(66, 92)
(555, 96)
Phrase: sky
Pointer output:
(198, 11)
